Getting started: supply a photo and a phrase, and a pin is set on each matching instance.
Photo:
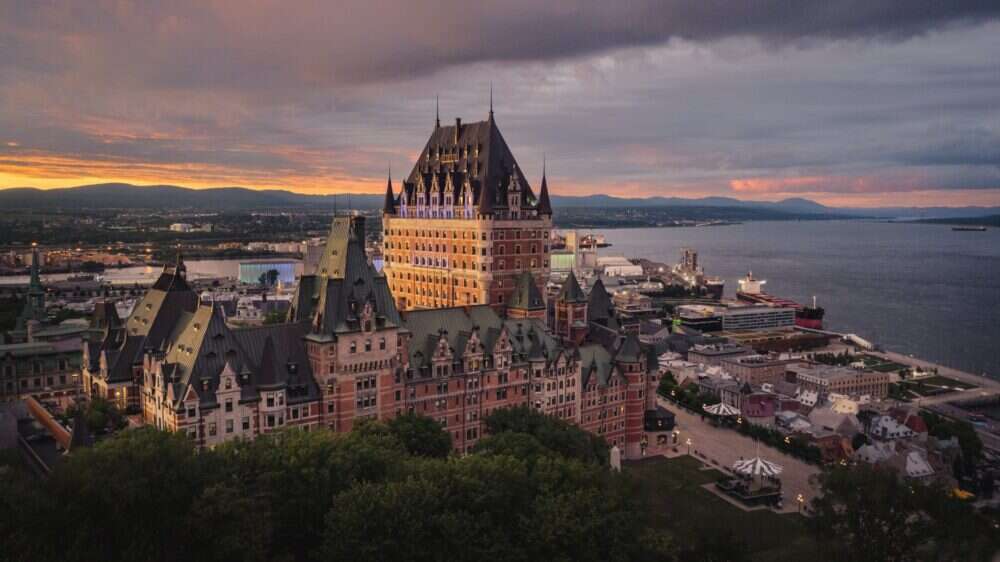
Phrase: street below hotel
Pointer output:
(720, 447)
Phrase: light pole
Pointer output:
(688, 443)
(801, 500)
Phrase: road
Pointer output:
(985, 383)
(726, 446)
(942, 403)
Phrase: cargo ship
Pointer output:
(751, 290)
(969, 228)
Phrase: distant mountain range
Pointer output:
(127, 196)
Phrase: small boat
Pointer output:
(969, 228)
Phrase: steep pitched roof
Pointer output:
(272, 356)
(595, 361)
(474, 152)
(629, 351)
(105, 316)
(334, 300)
(599, 305)
(526, 295)
(528, 337)
(267, 372)
(571, 291)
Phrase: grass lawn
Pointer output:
(923, 390)
(889, 367)
(938, 380)
(681, 506)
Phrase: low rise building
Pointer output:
(755, 369)
(827, 380)
(757, 317)
(714, 354)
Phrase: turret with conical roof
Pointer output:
(571, 291)
(570, 311)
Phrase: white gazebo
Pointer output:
(721, 409)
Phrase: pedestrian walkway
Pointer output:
(720, 448)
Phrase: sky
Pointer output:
(849, 103)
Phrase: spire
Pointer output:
(437, 112)
(390, 199)
(179, 268)
(544, 206)
(491, 100)
(36, 280)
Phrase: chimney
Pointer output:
(358, 228)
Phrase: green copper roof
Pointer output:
(526, 295)
(571, 291)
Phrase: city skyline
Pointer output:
(882, 105)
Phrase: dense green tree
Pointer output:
(101, 415)
(535, 490)
(557, 435)
(127, 497)
(944, 428)
(870, 514)
(421, 435)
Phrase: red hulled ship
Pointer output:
(751, 290)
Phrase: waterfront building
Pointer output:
(40, 358)
(465, 222)
(757, 317)
(755, 369)
(714, 354)
(826, 380)
(252, 272)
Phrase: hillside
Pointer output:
(126, 196)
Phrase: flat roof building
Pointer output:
(826, 380)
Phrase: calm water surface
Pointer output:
(913, 288)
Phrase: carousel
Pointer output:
(755, 481)
(721, 409)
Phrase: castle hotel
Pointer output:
(454, 329)
(466, 222)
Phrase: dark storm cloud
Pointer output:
(190, 44)
(653, 97)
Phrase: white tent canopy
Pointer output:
(756, 467)
(721, 409)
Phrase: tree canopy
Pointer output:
(870, 514)
(536, 489)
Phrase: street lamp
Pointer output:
(676, 434)
(788, 440)
(688, 443)
(801, 500)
